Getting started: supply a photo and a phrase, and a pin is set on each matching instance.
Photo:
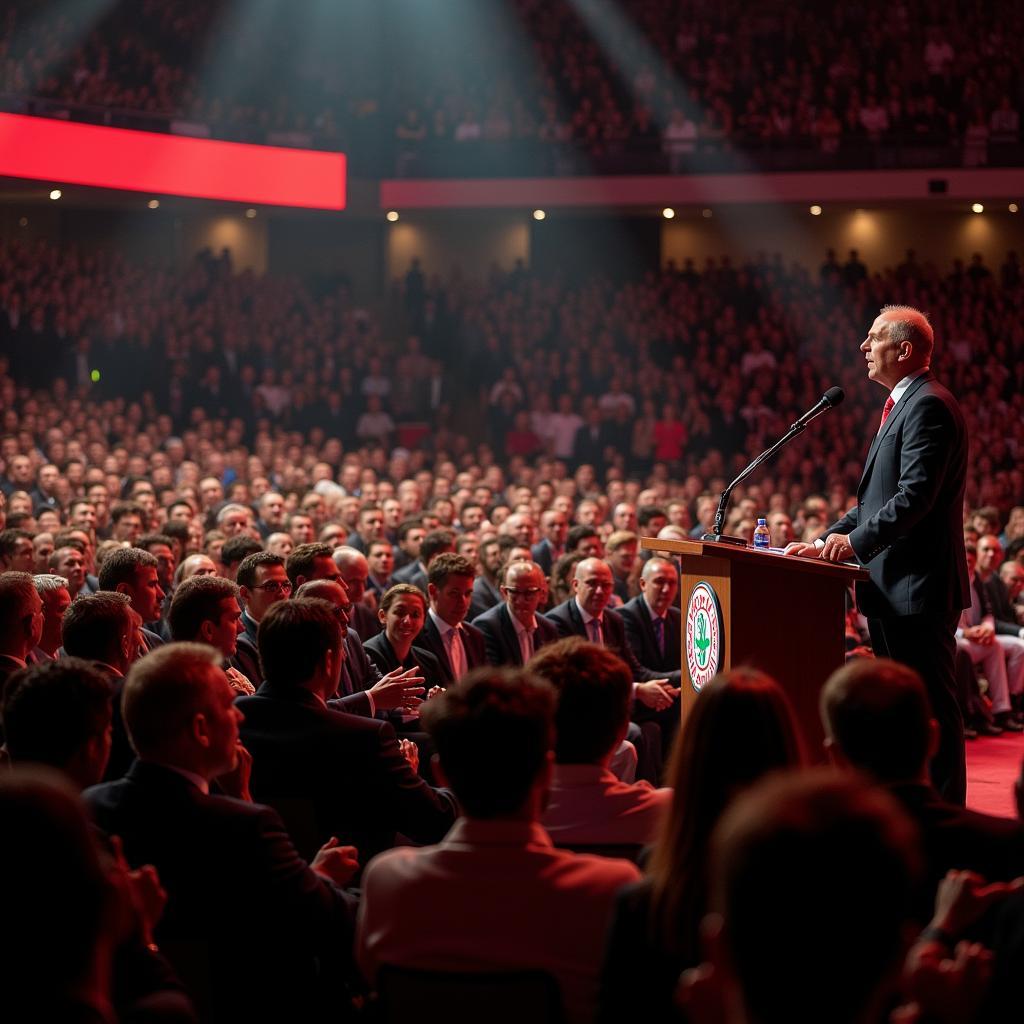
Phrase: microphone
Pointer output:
(829, 400)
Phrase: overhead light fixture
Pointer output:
(539, 214)
(978, 208)
(250, 213)
(668, 213)
(154, 204)
(391, 215)
(23, 222)
(815, 210)
(706, 213)
(1013, 207)
(55, 193)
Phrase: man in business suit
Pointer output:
(21, 622)
(513, 631)
(877, 720)
(355, 571)
(456, 644)
(134, 572)
(906, 527)
(329, 772)
(435, 543)
(554, 525)
(586, 614)
(262, 582)
(251, 956)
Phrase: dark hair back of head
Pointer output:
(493, 732)
(293, 637)
(197, 600)
(237, 548)
(95, 624)
(595, 691)
(877, 711)
(121, 565)
(578, 533)
(303, 558)
(16, 591)
(740, 728)
(52, 709)
(434, 543)
(815, 876)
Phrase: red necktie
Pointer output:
(886, 409)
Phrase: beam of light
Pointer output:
(81, 154)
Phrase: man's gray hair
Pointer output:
(909, 324)
(233, 507)
(49, 583)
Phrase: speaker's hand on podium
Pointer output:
(838, 548)
(802, 550)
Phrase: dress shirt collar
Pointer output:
(443, 627)
(197, 780)
(520, 628)
(586, 615)
(650, 611)
(502, 832)
(901, 389)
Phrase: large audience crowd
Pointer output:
(539, 88)
(334, 691)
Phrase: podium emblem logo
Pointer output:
(703, 635)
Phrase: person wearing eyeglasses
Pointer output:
(262, 582)
(513, 631)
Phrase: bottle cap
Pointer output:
(762, 522)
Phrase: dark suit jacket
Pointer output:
(358, 675)
(364, 621)
(412, 573)
(569, 622)
(247, 657)
(382, 654)
(543, 555)
(907, 525)
(233, 878)
(485, 595)
(636, 617)
(472, 642)
(501, 639)
(336, 774)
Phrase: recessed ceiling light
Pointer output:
(392, 215)
(154, 204)
(668, 213)
(539, 214)
(55, 193)
(706, 213)
(250, 213)
(815, 210)
(978, 208)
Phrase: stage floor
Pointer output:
(993, 765)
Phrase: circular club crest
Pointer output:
(703, 635)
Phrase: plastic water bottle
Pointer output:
(762, 536)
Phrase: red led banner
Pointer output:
(84, 154)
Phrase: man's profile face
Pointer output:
(223, 719)
(146, 593)
(883, 354)
(225, 628)
(592, 586)
(55, 604)
(71, 565)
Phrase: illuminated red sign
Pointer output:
(85, 154)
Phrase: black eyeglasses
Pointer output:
(275, 587)
(524, 592)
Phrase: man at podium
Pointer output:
(907, 528)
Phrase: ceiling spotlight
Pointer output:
(23, 222)
(706, 213)
(154, 204)
(978, 208)
(668, 213)
(250, 213)
(539, 214)
(1013, 207)
(55, 193)
(391, 215)
(815, 210)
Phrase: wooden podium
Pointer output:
(782, 615)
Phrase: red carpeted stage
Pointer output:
(993, 765)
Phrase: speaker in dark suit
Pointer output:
(907, 526)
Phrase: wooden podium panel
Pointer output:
(785, 616)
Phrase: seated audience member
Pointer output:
(486, 587)
(53, 591)
(622, 549)
(355, 571)
(103, 628)
(586, 614)
(181, 716)
(205, 610)
(362, 690)
(435, 543)
(51, 848)
(554, 527)
(21, 622)
(196, 565)
(369, 527)
(58, 714)
(513, 631)
(652, 620)
(457, 645)
(584, 540)
(811, 887)
(69, 562)
(280, 544)
(133, 572)
(16, 551)
(587, 804)
(741, 728)
(262, 582)
(233, 552)
(493, 734)
(878, 720)
(330, 773)
(381, 559)
(311, 562)
(976, 635)
(403, 610)
(1009, 632)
